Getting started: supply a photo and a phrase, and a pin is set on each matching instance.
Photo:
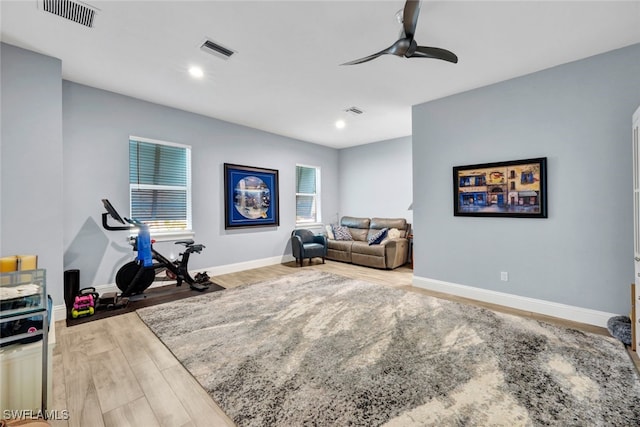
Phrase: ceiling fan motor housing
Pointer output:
(411, 49)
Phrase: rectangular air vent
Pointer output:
(354, 110)
(216, 49)
(74, 11)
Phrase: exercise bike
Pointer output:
(136, 276)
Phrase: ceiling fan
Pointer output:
(406, 46)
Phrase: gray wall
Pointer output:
(31, 160)
(97, 125)
(51, 190)
(577, 115)
(376, 180)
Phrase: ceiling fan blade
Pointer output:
(435, 53)
(410, 17)
(365, 59)
(391, 50)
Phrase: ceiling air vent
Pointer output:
(216, 49)
(354, 110)
(74, 11)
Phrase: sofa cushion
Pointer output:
(358, 227)
(339, 250)
(399, 223)
(378, 237)
(355, 222)
(336, 255)
(364, 248)
(359, 234)
(342, 233)
(341, 245)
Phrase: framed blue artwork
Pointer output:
(250, 197)
(517, 188)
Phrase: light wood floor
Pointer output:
(115, 372)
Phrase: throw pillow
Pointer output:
(341, 233)
(378, 237)
(329, 231)
(394, 233)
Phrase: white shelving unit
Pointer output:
(24, 368)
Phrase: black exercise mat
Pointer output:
(151, 296)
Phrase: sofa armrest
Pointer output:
(396, 252)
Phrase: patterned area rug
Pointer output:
(313, 348)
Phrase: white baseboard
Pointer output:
(246, 265)
(60, 311)
(548, 308)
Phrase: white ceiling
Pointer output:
(285, 77)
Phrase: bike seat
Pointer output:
(195, 248)
(185, 242)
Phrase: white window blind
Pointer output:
(307, 194)
(160, 184)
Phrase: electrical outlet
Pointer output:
(504, 276)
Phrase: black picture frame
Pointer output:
(516, 188)
(250, 197)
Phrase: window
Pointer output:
(307, 194)
(160, 185)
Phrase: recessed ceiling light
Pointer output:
(340, 124)
(196, 72)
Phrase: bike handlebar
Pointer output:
(111, 211)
